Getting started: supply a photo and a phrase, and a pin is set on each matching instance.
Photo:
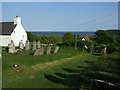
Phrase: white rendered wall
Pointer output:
(19, 34)
(4, 40)
(83, 39)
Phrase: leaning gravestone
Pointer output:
(34, 45)
(48, 50)
(11, 47)
(21, 45)
(38, 44)
(37, 52)
(56, 49)
(27, 45)
(18, 51)
(41, 51)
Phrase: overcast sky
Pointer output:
(63, 16)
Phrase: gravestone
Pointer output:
(48, 50)
(103, 52)
(11, 47)
(41, 51)
(38, 44)
(27, 45)
(21, 45)
(56, 49)
(18, 51)
(34, 45)
(37, 52)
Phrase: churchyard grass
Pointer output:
(14, 79)
(69, 68)
(27, 58)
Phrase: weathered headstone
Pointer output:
(27, 45)
(18, 51)
(37, 52)
(41, 50)
(11, 47)
(56, 49)
(21, 45)
(48, 50)
(38, 44)
(103, 52)
(34, 45)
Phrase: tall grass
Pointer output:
(109, 63)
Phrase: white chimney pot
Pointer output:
(17, 20)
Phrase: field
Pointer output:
(69, 68)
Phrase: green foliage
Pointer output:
(103, 37)
(68, 38)
(115, 32)
(81, 45)
(108, 63)
(55, 39)
(46, 39)
(32, 37)
(111, 41)
(98, 48)
(51, 39)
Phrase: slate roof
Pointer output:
(6, 28)
(87, 38)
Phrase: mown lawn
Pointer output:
(69, 68)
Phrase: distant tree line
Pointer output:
(101, 39)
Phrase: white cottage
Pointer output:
(12, 31)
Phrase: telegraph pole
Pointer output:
(119, 15)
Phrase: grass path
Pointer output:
(57, 62)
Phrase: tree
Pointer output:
(55, 39)
(33, 37)
(68, 38)
(103, 37)
(44, 39)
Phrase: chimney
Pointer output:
(17, 20)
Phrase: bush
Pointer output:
(68, 38)
(81, 46)
(111, 48)
(51, 39)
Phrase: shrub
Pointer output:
(51, 39)
(81, 46)
(68, 38)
